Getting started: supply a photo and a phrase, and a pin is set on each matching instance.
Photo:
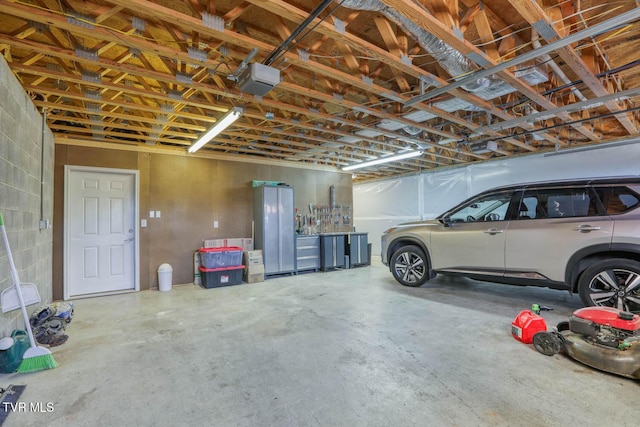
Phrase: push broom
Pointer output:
(35, 358)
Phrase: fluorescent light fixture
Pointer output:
(394, 158)
(233, 115)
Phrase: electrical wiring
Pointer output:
(620, 31)
(303, 36)
(89, 22)
(609, 11)
(497, 37)
(526, 101)
(569, 29)
(573, 122)
(106, 27)
(583, 43)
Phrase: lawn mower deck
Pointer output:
(604, 338)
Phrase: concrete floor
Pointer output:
(342, 348)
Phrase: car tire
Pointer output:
(611, 283)
(409, 266)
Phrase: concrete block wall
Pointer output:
(22, 146)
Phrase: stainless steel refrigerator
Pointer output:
(274, 222)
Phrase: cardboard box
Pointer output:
(247, 244)
(252, 258)
(214, 243)
(234, 242)
(254, 273)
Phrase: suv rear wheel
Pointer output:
(409, 266)
(612, 283)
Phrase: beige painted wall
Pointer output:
(191, 193)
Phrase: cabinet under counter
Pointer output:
(308, 252)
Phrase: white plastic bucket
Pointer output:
(165, 271)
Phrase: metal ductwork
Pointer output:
(449, 58)
(453, 61)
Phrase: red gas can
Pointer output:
(526, 325)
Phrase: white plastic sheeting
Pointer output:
(382, 204)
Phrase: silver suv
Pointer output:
(581, 235)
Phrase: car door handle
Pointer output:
(129, 240)
(585, 228)
(493, 231)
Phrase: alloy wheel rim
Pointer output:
(410, 267)
(616, 287)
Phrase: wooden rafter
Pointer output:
(533, 13)
(390, 60)
(441, 31)
(340, 100)
(389, 37)
(486, 35)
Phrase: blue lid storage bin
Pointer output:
(229, 256)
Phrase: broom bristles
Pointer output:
(37, 359)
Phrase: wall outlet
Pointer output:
(143, 223)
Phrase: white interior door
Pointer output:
(100, 231)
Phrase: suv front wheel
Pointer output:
(409, 266)
(612, 283)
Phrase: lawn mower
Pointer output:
(604, 338)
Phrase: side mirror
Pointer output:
(446, 220)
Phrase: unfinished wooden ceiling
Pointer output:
(460, 80)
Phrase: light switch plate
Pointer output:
(143, 223)
(215, 224)
(157, 214)
(152, 214)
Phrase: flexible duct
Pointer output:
(454, 62)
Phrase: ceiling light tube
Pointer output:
(233, 115)
(378, 161)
